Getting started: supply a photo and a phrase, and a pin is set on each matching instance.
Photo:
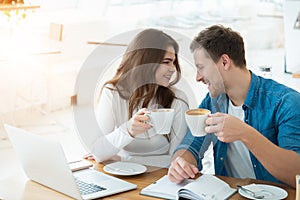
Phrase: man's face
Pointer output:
(208, 72)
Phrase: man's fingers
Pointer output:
(176, 174)
(215, 120)
(174, 179)
(187, 168)
(217, 114)
(181, 169)
(214, 128)
(215, 123)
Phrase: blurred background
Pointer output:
(43, 44)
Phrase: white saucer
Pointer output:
(270, 192)
(124, 168)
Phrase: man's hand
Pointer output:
(226, 127)
(180, 169)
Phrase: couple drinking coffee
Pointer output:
(254, 121)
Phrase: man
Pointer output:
(255, 127)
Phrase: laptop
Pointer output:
(44, 161)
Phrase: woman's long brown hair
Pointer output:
(135, 77)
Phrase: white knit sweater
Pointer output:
(148, 149)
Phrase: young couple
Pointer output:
(254, 125)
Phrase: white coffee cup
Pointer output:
(161, 119)
(195, 119)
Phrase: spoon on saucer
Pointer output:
(253, 194)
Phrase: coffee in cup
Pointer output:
(195, 119)
(161, 119)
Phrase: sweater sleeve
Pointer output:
(111, 138)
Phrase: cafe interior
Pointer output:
(45, 46)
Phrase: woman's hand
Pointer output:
(138, 123)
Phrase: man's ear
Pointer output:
(226, 61)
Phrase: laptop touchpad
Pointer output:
(90, 176)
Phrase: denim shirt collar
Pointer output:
(220, 103)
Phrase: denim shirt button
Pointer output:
(221, 158)
(254, 166)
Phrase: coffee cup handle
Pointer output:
(149, 121)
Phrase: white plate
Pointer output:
(124, 168)
(270, 192)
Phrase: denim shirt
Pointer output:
(271, 108)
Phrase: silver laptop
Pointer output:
(44, 162)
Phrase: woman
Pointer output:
(143, 81)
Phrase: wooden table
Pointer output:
(18, 188)
(154, 174)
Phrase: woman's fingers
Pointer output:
(140, 126)
(141, 116)
(138, 123)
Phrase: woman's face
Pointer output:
(166, 68)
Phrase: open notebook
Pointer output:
(205, 187)
(44, 162)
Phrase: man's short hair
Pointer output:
(218, 40)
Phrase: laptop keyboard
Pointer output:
(88, 188)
